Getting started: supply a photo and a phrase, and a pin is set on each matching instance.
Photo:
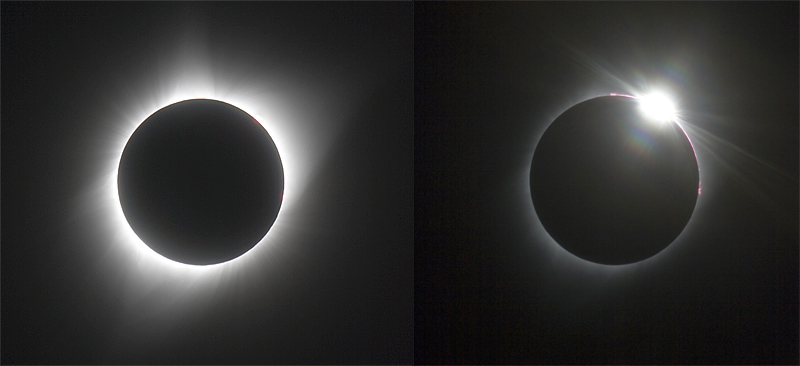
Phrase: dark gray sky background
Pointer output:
(388, 114)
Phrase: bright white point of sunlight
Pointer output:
(658, 107)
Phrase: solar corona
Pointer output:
(200, 182)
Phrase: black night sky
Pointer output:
(406, 232)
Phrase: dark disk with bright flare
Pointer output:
(200, 182)
(611, 185)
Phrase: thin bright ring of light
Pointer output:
(560, 256)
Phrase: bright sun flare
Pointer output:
(657, 106)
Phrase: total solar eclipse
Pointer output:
(614, 179)
(200, 182)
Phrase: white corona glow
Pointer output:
(304, 108)
(141, 248)
(303, 121)
(657, 106)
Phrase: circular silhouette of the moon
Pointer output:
(200, 182)
(611, 186)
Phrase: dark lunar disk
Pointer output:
(611, 186)
(200, 182)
